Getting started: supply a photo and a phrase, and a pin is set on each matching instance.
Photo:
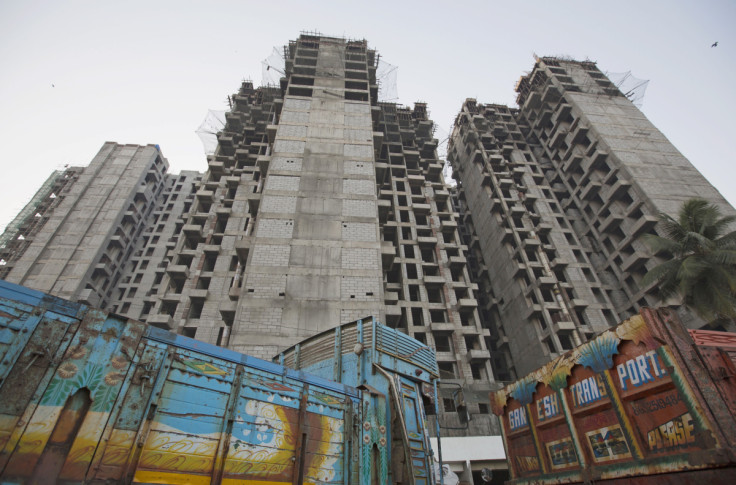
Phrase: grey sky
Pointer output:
(146, 72)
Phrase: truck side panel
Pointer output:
(88, 397)
(637, 401)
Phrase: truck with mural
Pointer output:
(645, 402)
(398, 377)
(92, 397)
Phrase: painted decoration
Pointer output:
(607, 444)
(617, 401)
(87, 397)
(561, 453)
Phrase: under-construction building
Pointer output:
(83, 232)
(554, 196)
(319, 206)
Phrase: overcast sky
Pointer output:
(74, 74)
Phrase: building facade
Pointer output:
(555, 196)
(78, 236)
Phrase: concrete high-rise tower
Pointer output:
(77, 234)
(555, 195)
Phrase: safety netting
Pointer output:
(631, 87)
(213, 123)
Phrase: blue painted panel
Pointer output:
(194, 405)
(187, 378)
(193, 425)
(325, 410)
(271, 397)
(164, 336)
(22, 294)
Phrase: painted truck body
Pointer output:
(397, 375)
(644, 402)
(91, 397)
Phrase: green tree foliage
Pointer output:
(701, 259)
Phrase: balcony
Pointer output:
(645, 223)
(611, 222)
(618, 189)
(434, 168)
(533, 101)
(458, 261)
(530, 242)
(579, 303)
(467, 303)
(242, 248)
(117, 241)
(377, 140)
(171, 297)
(393, 315)
(271, 132)
(478, 355)
(103, 269)
(210, 248)
(573, 162)
(384, 207)
(434, 280)
(388, 253)
(448, 226)
(411, 155)
(427, 241)
(562, 112)
(590, 190)
(495, 205)
(192, 230)
(421, 208)
(546, 281)
(563, 326)
(544, 227)
(441, 194)
(634, 261)
(178, 271)
(263, 162)
(205, 195)
(415, 180)
(532, 310)
(161, 321)
(558, 137)
(199, 294)
(443, 327)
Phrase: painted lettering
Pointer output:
(588, 390)
(640, 370)
(672, 434)
(517, 419)
(547, 407)
(645, 406)
(527, 463)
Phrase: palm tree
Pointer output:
(702, 259)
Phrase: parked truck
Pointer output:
(645, 402)
(398, 377)
(92, 397)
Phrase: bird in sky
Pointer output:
(715, 44)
